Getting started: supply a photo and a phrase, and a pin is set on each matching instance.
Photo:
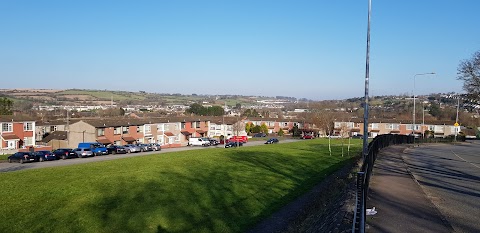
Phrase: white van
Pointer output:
(198, 142)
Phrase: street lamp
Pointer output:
(413, 129)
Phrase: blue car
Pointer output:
(271, 141)
(43, 155)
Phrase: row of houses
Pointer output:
(378, 127)
(20, 132)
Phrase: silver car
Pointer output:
(83, 152)
(155, 146)
(131, 148)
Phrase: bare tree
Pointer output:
(469, 73)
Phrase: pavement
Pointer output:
(398, 198)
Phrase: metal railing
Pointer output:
(363, 176)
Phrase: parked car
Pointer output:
(96, 148)
(115, 149)
(145, 147)
(43, 155)
(84, 152)
(259, 135)
(198, 142)
(214, 142)
(233, 144)
(155, 146)
(22, 157)
(308, 136)
(131, 148)
(64, 153)
(358, 136)
(271, 141)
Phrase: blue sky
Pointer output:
(314, 49)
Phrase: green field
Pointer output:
(104, 95)
(4, 157)
(208, 190)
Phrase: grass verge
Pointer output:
(208, 190)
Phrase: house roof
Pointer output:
(128, 139)
(104, 141)
(10, 137)
(15, 118)
(56, 122)
(55, 135)
(169, 134)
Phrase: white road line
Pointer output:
(465, 160)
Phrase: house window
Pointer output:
(374, 125)
(148, 129)
(409, 127)
(431, 127)
(101, 132)
(183, 125)
(53, 128)
(285, 124)
(125, 129)
(28, 141)
(338, 124)
(139, 129)
(118, 143)
(28, 126)
(117, 130)
(7, 127)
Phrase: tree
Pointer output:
(469, 73)
(264, 128)
(6, 106)
(248, 127)
(256, 129)
(280, 133)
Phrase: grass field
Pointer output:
(4, 157)
(104, 95)
(208, 190)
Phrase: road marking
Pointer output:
(465, 160)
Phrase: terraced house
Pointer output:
(16, 132)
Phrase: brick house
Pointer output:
(16, 132)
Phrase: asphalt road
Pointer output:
(9, 167)
(450, 176)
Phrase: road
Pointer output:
(450, 176)
(9, 167)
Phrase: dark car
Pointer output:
(22, 157)
(358, 136)
(233, 144)
(259, 135)
(43, 155)
(214, 142)
(64, 153)
(114, 149)
(271, 141)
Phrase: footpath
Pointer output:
(400, 202)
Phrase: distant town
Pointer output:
(64, 118)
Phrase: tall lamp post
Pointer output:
(414, 77)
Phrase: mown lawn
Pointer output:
(4, 157)
(208, 190)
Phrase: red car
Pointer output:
(307, 136)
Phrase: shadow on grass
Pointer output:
(228, 197)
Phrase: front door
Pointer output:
(12, 144)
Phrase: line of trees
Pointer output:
(252, 128)
(200, 110)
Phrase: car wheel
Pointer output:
(41, 159)
(10, 160)
(64, 157)
(114, 152)
(21, 161)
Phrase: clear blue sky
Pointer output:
(313, 49)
